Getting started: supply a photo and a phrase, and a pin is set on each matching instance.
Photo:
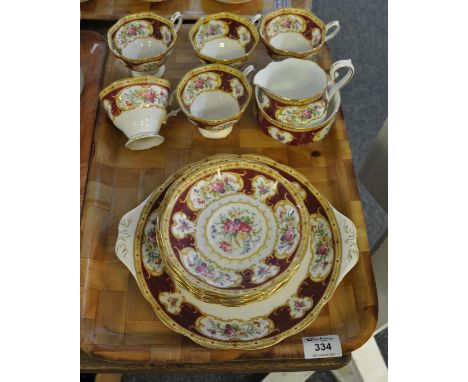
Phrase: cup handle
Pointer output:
(174, 112)
(255, 20)
(177, 20)
(248, 71)
(334, 27)
(334, 87)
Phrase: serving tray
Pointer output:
(93, 52)
(190, 9)
(116, 321)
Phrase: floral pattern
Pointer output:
(172, 301)
(288, 222)
(199, 84)
(234, 330)
(264, 101)
(321, 246)
(131, 32)
(263, 188)
(295, 115)
(237, 88)
(262, 272)
(207, 271)
(213, 188)
(151, 254)
(244, 35)
(148, 66)
(210, 31)
(279, 135)
(142, 96)
(322, 133)
(181, 225)
(285, 23)
(298, 306)
(238, 230)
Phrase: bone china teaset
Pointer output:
(234, 251)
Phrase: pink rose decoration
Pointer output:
(202, 269)
(150, 95)
(244, 227)
(286, 23)
(198, 83)
(218, 187)
(229, 226)
(132, 30)
(289, 234)
(225, 246)
(323, 249)
(306, 113)
(229, 330)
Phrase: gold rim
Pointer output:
(206, 68)
(216, 344)
(296, 11)
(193, 30)
(133, 81)
(207, 292)
(137, 16)
(283, 126)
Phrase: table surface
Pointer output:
(190, 9)
(117, 324)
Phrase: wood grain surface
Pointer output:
(190, 9)
(117, 323)
(93, 53)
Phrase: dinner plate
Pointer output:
(257, 324)
(232, 232)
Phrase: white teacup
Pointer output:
(137, 107)
(144, 41)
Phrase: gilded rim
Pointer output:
(216, 344)
(193, 30)
(291, 128)
(145, 80)
(138, 16)
(200, 289)
(295, 11)
(206, 68)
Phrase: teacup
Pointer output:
(144, 41)
(298, 91)
(137, 107)
(295, 32)
(295, 136)
(214, 97)
(224, 38)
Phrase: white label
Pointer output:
(322, 346)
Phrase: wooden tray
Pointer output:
(190, 9)
(116, 321)
(93, 52)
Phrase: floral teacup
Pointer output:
(295, 32)
(214, 97)
(224, 38)
(137, 107)
(144, 41)
(298, 91)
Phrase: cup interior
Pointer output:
(293, 31)
(292, 78)
(142, 38)
(223, 37)
(213, 94)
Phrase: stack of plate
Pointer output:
(237, 251)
